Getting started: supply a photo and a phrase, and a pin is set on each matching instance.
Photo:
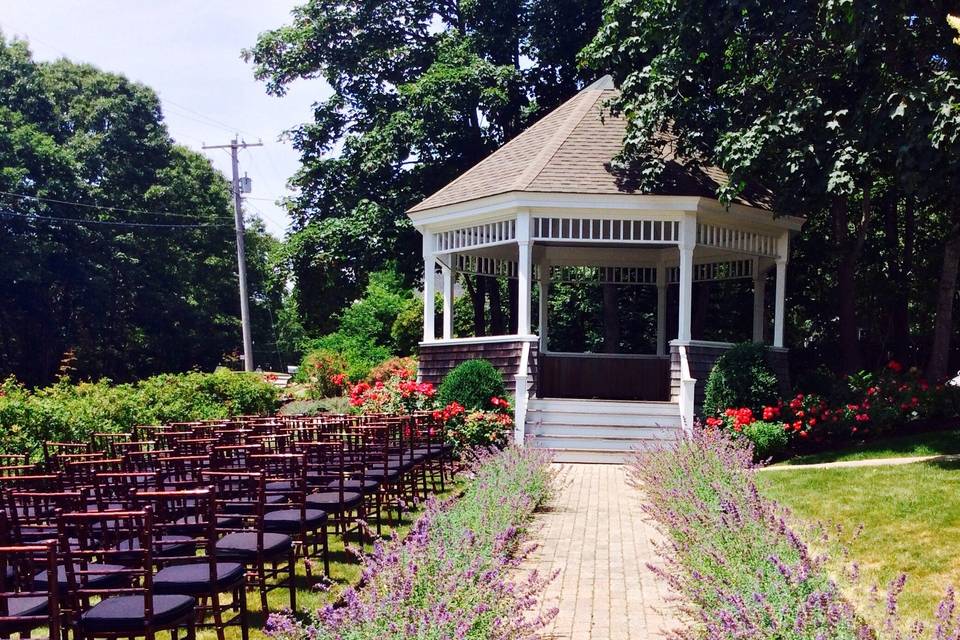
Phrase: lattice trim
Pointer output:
(605, 275)
(720, 237)
(711, 271)
(477, 265)
(605, 230)
(481, 235)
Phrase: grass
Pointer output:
(911, 519)
(914, 444)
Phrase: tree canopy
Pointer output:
(422, 90)
(116, 243)
(847, 111)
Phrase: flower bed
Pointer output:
(397, 392)
(739, 568)
(454, 575)
(864, 405)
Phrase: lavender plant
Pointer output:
(730, 555)
(455, 574)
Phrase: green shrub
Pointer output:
(303, 408)
(472, 383)
(405, 367)
(360, 353)
(768, 438)
(741, 377)
(73, 412)
(407, 329)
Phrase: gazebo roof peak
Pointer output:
(570, 150)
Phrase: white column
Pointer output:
(688, 240)
(661, 309)
(544, 310)
(783, 251)
(524, 273)
(449, 279)
(759, 292)
(429, 286)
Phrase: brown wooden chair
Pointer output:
(203, 577)
(241, 505)
(132, 609)
(23, 608)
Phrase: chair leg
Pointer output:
(217, 615)
(291, 581)
(326, 552)
(262, 579)
(244, 626)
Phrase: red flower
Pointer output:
(339, 379)
(895, 366)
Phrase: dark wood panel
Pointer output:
(607, 378)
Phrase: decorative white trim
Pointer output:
(715, 271)
(479, 265)
(701, 343)
(736, 239)
(487, 234)
(605, 275)
(520, 395)
(595, 229)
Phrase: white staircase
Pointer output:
(600, 430)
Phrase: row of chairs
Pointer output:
(156, 528)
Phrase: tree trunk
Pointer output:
(943, 327)
(497, 325)
(513, 304)
(848, 252)
(477, 290)
(897, 305)
(611, 319)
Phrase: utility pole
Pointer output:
(234, 147)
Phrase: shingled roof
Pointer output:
(570, 151)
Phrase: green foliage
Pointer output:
(407, 329)
(412, 108)
(317, 369)
(129, 302)
(740, 377)
(360, 353)
(769, 439)
(303, 408)
(405, 367)
(472, 383)
(73, 412)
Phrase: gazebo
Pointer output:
(549, 204)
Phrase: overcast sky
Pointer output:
(188, 51)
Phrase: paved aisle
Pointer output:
(594, 532)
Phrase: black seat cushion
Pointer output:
(366, 485)
(279, 485)
(390, 475)
(194, 579)
(113, 575)
(189, 526)
(242, 545)
(288, 520)
(29, 606)
(251, 506)
(126, 613)
(330, 501)
(164, 547)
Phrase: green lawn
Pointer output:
(920, 444)
(911, 519)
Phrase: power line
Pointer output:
(111, 223)
(24, 196)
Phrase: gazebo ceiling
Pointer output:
(570, 151)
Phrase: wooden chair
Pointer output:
(126, 611)
(241, 505)
(22, 607)
(203, 577)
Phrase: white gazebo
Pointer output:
(549, 203)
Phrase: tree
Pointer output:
(422, 91)
(85, 154)
(831, 104)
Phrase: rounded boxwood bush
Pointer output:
(472, 383)
(740, 377)
(768, 438)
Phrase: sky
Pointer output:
(188, 51)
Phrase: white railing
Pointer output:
(714, 271)
(520, 394)
(688, 390)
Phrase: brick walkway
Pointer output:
(595, 533)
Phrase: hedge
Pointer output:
(73, 412)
